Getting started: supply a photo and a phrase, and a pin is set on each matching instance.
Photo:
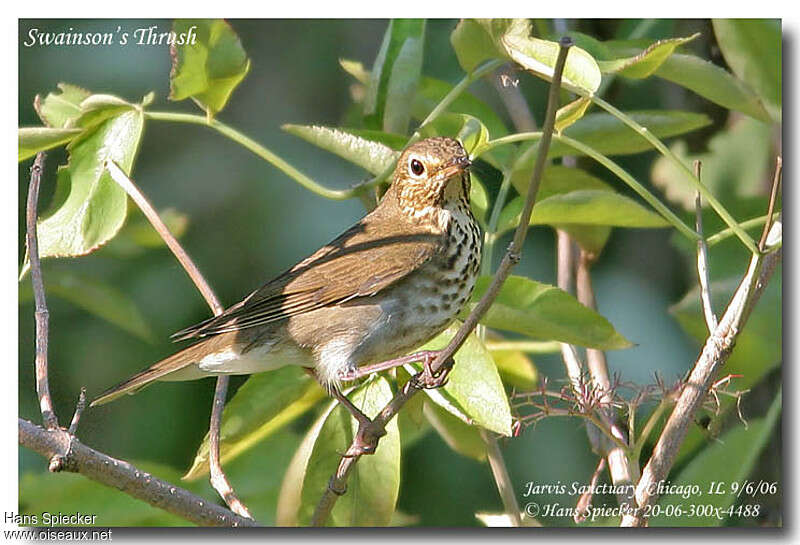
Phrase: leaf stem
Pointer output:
(666, 152)
(262, 152)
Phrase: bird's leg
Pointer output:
(425, 356)
(368, 434)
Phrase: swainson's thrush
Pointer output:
(390, 283)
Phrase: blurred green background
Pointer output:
(248, 222)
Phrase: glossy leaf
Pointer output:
(94, 206)
(395, 76)
(211, 68)
(583, 207)
(370, 155)
(727, 462)
(263, 405)
(713, 83)
(478, 198)
(462, 438)
(374, 482)
(474, 391)
(736, 165)
(516, 369)
(645, 62)
(570, 113)
(544, 312)
(752, 48)
(32, 140)
(477, 40)
(102, 300)
(59, 110)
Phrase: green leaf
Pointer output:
(474, 42)
(752, 48)
(474, 388)
(94, 206)
(395, 76)
(544, 312)
(570, 113)
(374, 482)
(210, 68)
(32, 140)
(370, 155)
(610, 136)
(713, 83)
(263, 405)
(583, 207)
(478, 198)
(477, 40)
(516, 369)
(736, 165)
(727, 462)
(97, 108)
(644, 63)
(96, 297)
(59, 110)
(72, 493)
(462, 438)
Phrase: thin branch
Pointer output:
(776, 182)
(716, 350)
(41, 314)
(702, 259)
(443, 361)
(217, 476)
(622, 471)
(78, 458)
(501, 477)
(76, 416)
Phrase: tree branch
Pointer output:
(78, 458)
(443, 361)
(217, 476)
(715, 353)
(41, 314)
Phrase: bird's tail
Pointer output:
(172, 364)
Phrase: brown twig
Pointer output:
(622, 471)
(78, 458)
(217, 476)
(41, 314)
(443, 361)
(715, 353)
(501, 477)
(76, 416)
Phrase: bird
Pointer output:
(385, 286)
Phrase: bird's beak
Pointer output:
(459, 165)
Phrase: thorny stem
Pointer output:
(444, 359)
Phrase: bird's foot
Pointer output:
(427, 379)
(368, 434)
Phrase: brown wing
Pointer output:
(367, 258)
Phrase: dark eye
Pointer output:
(417, 168)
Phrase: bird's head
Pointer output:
(432, 175)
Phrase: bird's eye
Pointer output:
(417, 168)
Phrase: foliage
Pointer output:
(88, 211)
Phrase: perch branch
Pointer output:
(716, 350)
(41, 314)
(443, 361)
(78, 458)
(776, 182)
(217, 476)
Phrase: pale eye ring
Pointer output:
(416, 167)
